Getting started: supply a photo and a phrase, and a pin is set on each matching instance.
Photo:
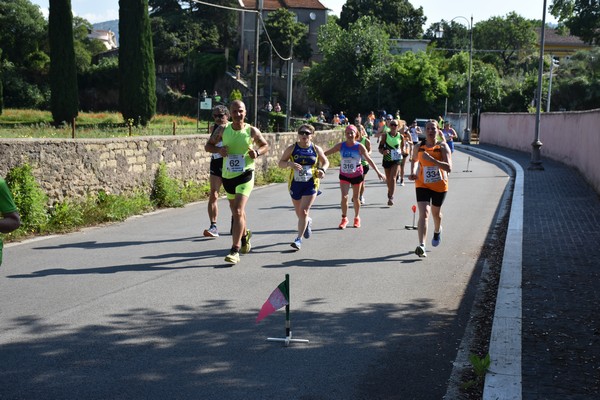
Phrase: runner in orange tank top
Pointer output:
(434, 162)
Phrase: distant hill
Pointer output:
(109, 26)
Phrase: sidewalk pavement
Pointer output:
(560, 284)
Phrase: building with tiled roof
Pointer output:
(275, 4)
(558, 45)
(309, 12)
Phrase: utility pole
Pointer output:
(288, 114)
(259, 7)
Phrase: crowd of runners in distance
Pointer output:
(235, 145)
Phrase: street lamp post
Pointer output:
(536, 162)
(288, 111)
(553, 64)
(467, 135)
(479, 103)
(466, 139)
(460, 104)
(259, 7)
(270, 69)
(270, 72)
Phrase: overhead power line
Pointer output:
(262, 22)
(224, 7)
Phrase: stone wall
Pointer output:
(71, 168)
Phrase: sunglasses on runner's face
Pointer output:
(218, 115)
(393, 124)
(305, 133)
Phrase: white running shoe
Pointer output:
(297, 244)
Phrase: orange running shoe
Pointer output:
(357, 222)
(343, 223)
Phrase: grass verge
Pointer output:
(38, 124)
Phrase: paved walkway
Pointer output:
(560, 341)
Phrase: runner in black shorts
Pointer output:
(221, 117)
(307, 164)
(430, 165)
(242, 144)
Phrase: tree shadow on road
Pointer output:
(211, 352)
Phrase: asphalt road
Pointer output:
(147, 309)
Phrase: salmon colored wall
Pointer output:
(572, 138)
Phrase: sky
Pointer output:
(435, 10)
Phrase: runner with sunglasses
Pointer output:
(221, 116)
(308, 164)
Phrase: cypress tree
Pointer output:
(1, 88)
(64, 102)
(137, 79)
(1, 95)
(1, 91)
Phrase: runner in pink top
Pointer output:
(351, 172)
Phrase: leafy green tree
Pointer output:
(184, 28)
(486, 85)
(23, 37)
(22, 29)
(518, 92)
(162, 7)
(286, 34)
(137, 76)
(398, 17)
(204, 69)
(353, 64)
(455, 36)
(64, 101)
(178, 38)
(582, 17)
(412, 83)
(85, 48)
(506, 42)
(99, 86)
(224, 21)
(576, 84)
(21, 89)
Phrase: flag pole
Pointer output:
(288, 330)
(288, 325)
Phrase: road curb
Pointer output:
(504, 378)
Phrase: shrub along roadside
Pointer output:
(30, 199)
(72, 214)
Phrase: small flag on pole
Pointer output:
(277, 299)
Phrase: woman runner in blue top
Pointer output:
(308, 165)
